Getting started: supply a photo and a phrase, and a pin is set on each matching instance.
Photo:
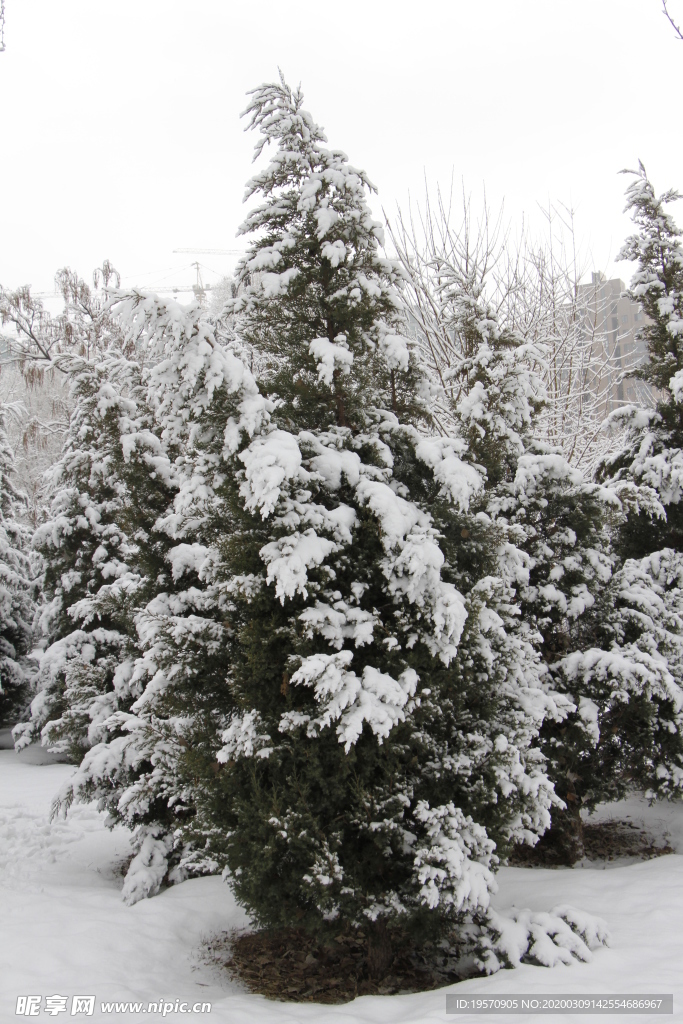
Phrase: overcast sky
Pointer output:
(122, 139)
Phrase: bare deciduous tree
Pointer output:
(33, 385)
(532, 288)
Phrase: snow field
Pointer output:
(66, 930)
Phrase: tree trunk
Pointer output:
(380, 956)
(562, 844)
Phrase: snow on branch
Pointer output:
(275, 111)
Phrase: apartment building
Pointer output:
(612, 319)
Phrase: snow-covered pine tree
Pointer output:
(175, 659)
(105, 564)
(563, 518)
(550, 519)
(628, 671)
(86, 555)
(652, 454)
(608, 626)
(625, 678)
(18, 590)
(376, 720)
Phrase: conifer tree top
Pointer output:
(658, 280)
(317, 300)
(652, 453)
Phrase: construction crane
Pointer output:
(198, 287)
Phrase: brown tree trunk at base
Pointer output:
(562, 844)
(380, 956)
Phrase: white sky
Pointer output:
(121, 134)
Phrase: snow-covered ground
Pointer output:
(65, 930)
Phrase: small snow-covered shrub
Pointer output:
(562, 936)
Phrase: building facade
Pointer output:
(612, 320)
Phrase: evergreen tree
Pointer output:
(128, 712)
(550, 520)
(651, 455)
(626, 682)
(105, 562)
(18, 590)
(606, 630)
(377, 714)
(609, 622)
(627, 669)
(85, 552)
(202, 399)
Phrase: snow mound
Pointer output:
(29, 842)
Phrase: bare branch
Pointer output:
(665, 11)
(533, 290)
